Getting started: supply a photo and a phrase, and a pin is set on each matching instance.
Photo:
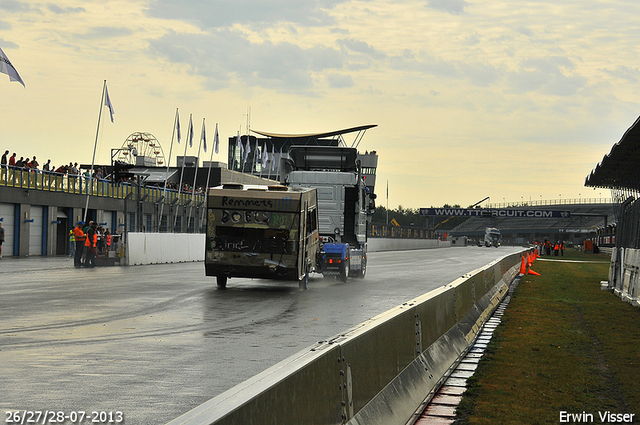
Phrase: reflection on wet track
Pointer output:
(156, 341)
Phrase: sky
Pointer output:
(511, 100)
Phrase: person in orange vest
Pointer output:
(562, 249)
(79, 237)
(556, 249)
(90, 245)
(107, 236)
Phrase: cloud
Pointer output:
(104, 32)
(547, 75)
(14, 6)
(358, 46)
(339, 81)
(63, 11)
(454, 7)
(625, 73)
(226, 13)
(525, 31)
(8, 44)
(225, 55)
(5, 25)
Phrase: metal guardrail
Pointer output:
(50, 181)
(550, 202)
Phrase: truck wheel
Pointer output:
(222, 281)
(344, 273)
(363, 269)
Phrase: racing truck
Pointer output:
(344, 203)
(492, 237)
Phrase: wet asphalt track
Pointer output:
(156, 341)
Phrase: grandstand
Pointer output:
(585, 219)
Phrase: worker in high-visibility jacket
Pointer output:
(90, 245)
(79, 238)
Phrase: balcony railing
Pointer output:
(50, 181)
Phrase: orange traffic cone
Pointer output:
(523, 266)
(533, 273)
(529, 260)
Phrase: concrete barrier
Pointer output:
(378, 372)
(156, 248)
(390, 244)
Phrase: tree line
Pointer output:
(410, 217)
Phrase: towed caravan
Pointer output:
(268, 232)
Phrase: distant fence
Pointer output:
(50, 181)
(547, 202)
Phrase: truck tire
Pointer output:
(222, 281)
(344, 273)
(363, 268)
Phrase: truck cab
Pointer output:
(343, 204)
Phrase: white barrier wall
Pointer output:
(624, 275)
(388, 244)
(156, 248)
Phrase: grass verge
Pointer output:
(563, 346)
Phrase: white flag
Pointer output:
(203, 137)
(239, 145)
(107, 101)
(265, 156)
(247, 150)
(273, 160)
(7, 68)
(216, 141)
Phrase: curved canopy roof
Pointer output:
(316, 135)
(620, 168)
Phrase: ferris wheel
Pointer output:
(141, 149)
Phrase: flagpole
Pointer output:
(195, 176)
(255, 158)
(211, 159)
(166, 176)
(93, 159)
(190, 130)
(387, 202)
(206, 187)
(269, 172)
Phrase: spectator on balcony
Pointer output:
(4, 161)
(12, 160)
(33, 164)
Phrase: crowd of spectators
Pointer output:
(32, 164)
(73, 169)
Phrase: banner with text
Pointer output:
(493, 213)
